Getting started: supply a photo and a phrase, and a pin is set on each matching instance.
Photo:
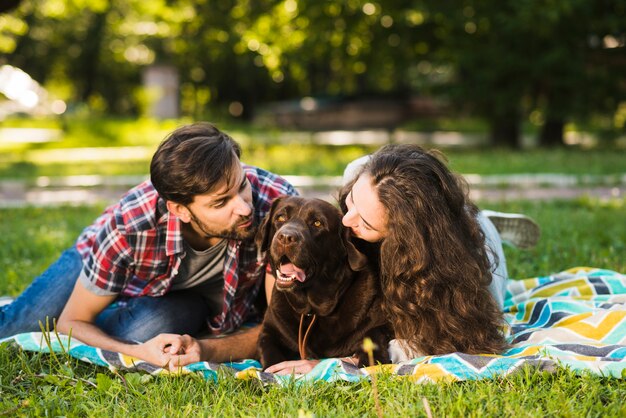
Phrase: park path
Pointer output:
(75, 190)
(54, 191)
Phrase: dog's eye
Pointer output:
(281, 218)
(317, 224)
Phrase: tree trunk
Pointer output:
(551, 134)
(505, 131)
(89, 59)
(7, 5)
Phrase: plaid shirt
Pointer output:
(135, 249)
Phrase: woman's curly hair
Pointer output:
(434, 266)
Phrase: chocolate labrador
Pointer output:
(326, 300)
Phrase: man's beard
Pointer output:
(232, 233)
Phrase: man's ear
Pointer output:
(179, 210)
(356, 259)
(265, 234)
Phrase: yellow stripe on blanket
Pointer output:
(379, 368)
(594, 326)
(518, 287)
(529, 308)
(248, 374)
(582, 285)
(530, 351)
(129, 361)
(580, 269)
(431, 373)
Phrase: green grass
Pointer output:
(529, 393)
(567, 161)
(583, 232)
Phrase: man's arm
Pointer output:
(233, 347)
(185, 349)
(79, 316)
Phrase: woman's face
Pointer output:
(366, 216)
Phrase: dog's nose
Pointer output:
(287, 236)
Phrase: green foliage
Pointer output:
(507, 62)
(548, 60)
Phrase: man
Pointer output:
(174, 252)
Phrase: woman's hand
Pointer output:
(293, 367)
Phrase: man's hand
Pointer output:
(177, 350)
(293, 367)
(182, 350)
(155, 351)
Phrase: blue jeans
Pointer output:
(130, 319)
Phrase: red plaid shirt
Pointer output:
(134, 249)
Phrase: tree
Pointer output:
(500, 60)
(8, 5)
(512, 56)
(574, 75)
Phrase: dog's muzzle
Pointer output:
(287, 241)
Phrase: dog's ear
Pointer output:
(264, 234)
(356, 259)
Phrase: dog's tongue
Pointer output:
(289, 269)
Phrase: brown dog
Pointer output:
(325, 300)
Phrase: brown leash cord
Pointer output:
(302, 341)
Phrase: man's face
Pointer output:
(227, 212)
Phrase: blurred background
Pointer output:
(527, 98)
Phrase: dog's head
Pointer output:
(308, 246)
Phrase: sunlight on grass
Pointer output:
(310, 159)
(103, 146)
(87, 155)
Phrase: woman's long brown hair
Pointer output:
(434, 267)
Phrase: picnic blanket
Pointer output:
(574, 319)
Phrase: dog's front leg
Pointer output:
(271, 348)
(380, 337)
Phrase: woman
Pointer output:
(440, 261)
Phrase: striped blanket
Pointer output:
(574, 319)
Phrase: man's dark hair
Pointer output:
(193, 160)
